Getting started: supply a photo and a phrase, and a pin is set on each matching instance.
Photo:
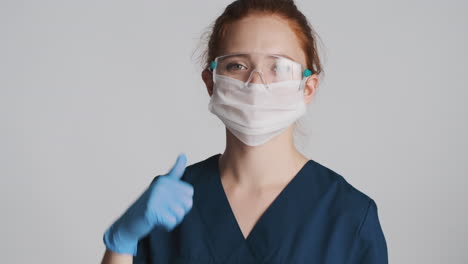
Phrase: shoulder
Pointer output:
(353, 210)
(358, 211)
(340, 183)
(341, 196)
(200, 169)
(193, 172)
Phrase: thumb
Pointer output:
(179, 167)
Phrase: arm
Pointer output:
(116, 258)
(164, 203)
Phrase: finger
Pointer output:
(179, 167)
(170, 221)
(177, 211)
(186, 203)
(176, 187)
(183, 188)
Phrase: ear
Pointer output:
(207, 77)
(310, 88)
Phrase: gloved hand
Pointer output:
(165, 203)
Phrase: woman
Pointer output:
(261, 201)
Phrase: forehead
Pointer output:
(262, 34)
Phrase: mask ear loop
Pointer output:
(261, 76)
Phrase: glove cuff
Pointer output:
(114, 242)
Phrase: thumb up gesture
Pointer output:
(164, 203)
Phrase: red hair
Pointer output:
(286, 9)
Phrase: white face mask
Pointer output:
(253, 113)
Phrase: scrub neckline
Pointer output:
(273, 204)
(286, 212)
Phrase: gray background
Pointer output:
(98, 97)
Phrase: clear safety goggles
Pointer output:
(270, 68)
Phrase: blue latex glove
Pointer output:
(165, 203)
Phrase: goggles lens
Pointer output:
(271, 68)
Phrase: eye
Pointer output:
(235, 66)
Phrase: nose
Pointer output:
(256, 77)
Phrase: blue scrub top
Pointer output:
(317, 218)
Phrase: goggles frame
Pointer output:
(305, 73)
